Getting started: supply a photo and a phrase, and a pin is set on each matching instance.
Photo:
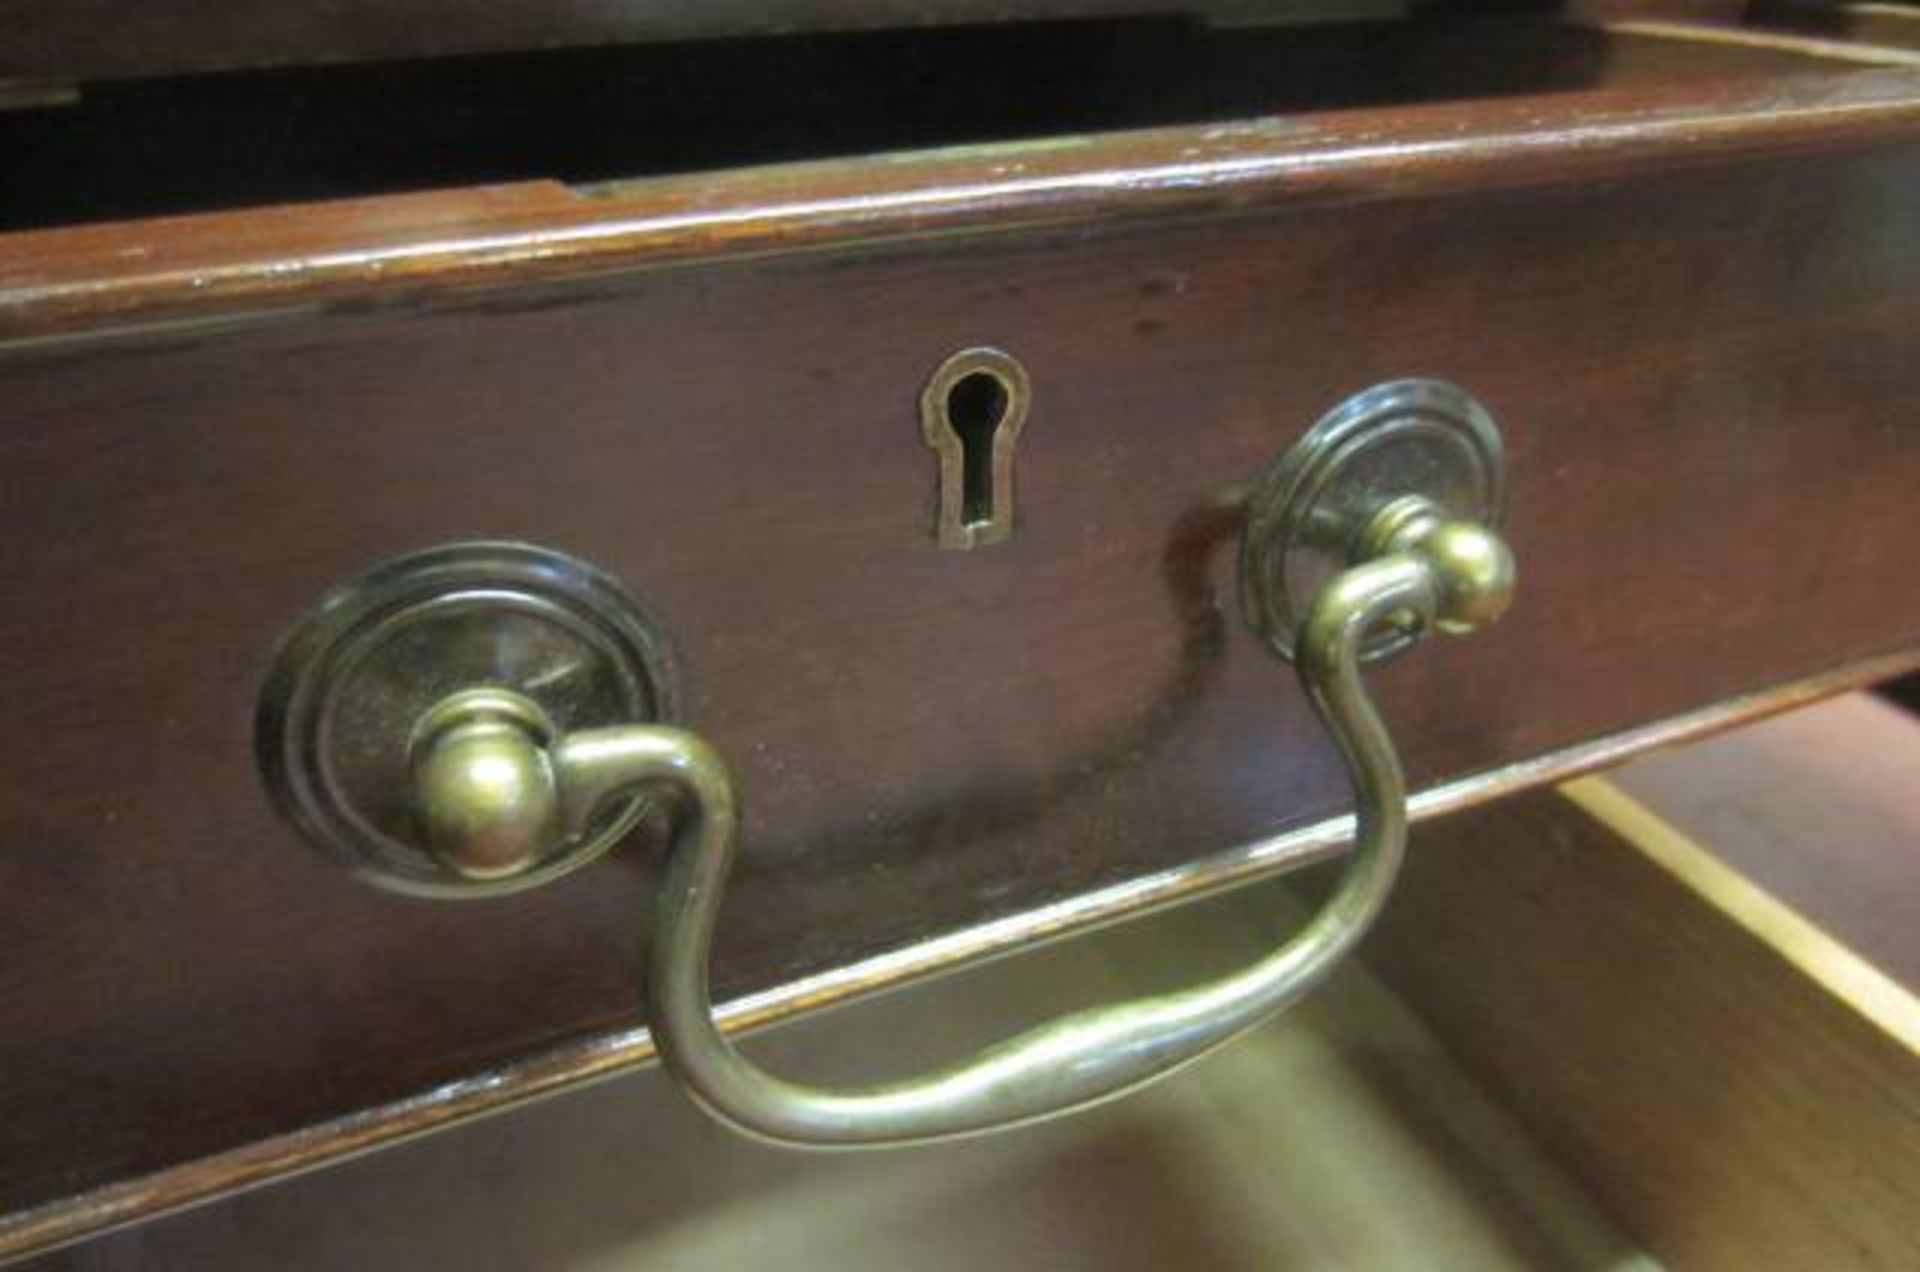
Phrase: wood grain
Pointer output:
(1815, 806)
(406, 251)
(149, 147)
(1736, 1088)
(1692, 315)
(584, 118)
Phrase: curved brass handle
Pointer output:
(490, 787)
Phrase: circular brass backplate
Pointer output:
(354, 679)
(1304, 518)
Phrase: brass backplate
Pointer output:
(353, 680)
(1305, 516)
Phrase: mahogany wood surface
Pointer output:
(1692, 313)
(1698, 103)
(130, 149)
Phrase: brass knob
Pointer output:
(1472, 564)
(485, 794)
(414, 722)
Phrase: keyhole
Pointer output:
(971, 413)
(976, 404)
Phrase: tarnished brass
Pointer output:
(388, 719)
(1320, 507)
(972, 412)
(486, 797)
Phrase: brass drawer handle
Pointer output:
(1446, 572)
(1391, 488)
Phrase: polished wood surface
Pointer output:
(150, 147)
(1653, 105)
(1691, 310)
(1737, 1087)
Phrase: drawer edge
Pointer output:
(403, 250)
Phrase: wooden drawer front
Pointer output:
(1705, 375)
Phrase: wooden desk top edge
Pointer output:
(389, 250)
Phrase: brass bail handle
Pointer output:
(494, 785)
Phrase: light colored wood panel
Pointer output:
(1736, 1087)
(1819, 806)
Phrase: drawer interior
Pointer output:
(1695, 982)
(142, 147)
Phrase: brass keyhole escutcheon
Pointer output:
(972, 412)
